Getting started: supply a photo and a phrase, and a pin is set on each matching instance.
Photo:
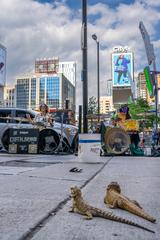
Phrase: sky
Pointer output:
(31, 29)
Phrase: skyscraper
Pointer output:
(109, 87)
(54, 66)
(106, 104)
(69, 71)
(142, 90)
(52, 89)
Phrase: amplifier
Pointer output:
(23, 140)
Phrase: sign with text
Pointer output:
(47, 66)
(23, 140)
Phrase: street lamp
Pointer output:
(84, 65)
(94, 36)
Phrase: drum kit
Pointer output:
(50, 141)
(116, 139)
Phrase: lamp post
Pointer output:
(94, 36)
(84, 65)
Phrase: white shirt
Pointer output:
(44, 119)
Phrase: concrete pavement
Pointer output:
(35, 196)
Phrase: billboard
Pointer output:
(120, 96)
(47, 66)
(122, 69)
(2, 65)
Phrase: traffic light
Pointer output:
(149, 81)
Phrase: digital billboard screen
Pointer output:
(122, 69)
(47, 66)
(2, 65)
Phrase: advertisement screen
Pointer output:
(47, 66)
(2, 65)
(122, 69)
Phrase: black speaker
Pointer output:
(23, 140)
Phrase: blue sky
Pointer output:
(76, 4)
(33, 29)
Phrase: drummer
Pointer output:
(43, 117)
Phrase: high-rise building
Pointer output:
(106, 104)
(54, 66)
(109, 87)
(69, 71)
(141, 86)
(52, 89)
(142, 90)
(9, 96)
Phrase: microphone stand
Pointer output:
(60, 148)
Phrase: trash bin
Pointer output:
(89, 147)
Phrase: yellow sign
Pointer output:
(131, 125)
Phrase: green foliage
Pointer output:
(140, 110)
(92, 105)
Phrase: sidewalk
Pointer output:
(35, 201)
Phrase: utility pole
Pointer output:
(84, 65)
(94, 36)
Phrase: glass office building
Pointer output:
(53, 92)
(33, 92)
(22, 93)
(51, 89)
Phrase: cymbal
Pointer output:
(15, 118)
(6, 117)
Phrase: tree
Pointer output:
(140, 110)
(92, 105)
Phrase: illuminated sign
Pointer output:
(47, 66)
(149, 81)
(118, 49)
(122, 69)
(2, 65)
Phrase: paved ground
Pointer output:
(34, 199)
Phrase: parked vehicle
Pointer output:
(16, 117)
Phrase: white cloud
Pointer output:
(153, 3)
(33, 30)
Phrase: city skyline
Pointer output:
(37, 29)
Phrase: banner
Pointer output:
(122, 69)
(23, 140)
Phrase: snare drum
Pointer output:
(48, 140)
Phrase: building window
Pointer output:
(33, 92)
(22, 93)
(53, 92)
(42, 90)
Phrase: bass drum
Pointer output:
(117, 140)
(5, 140)
(48, 141)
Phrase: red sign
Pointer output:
(47, 66)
